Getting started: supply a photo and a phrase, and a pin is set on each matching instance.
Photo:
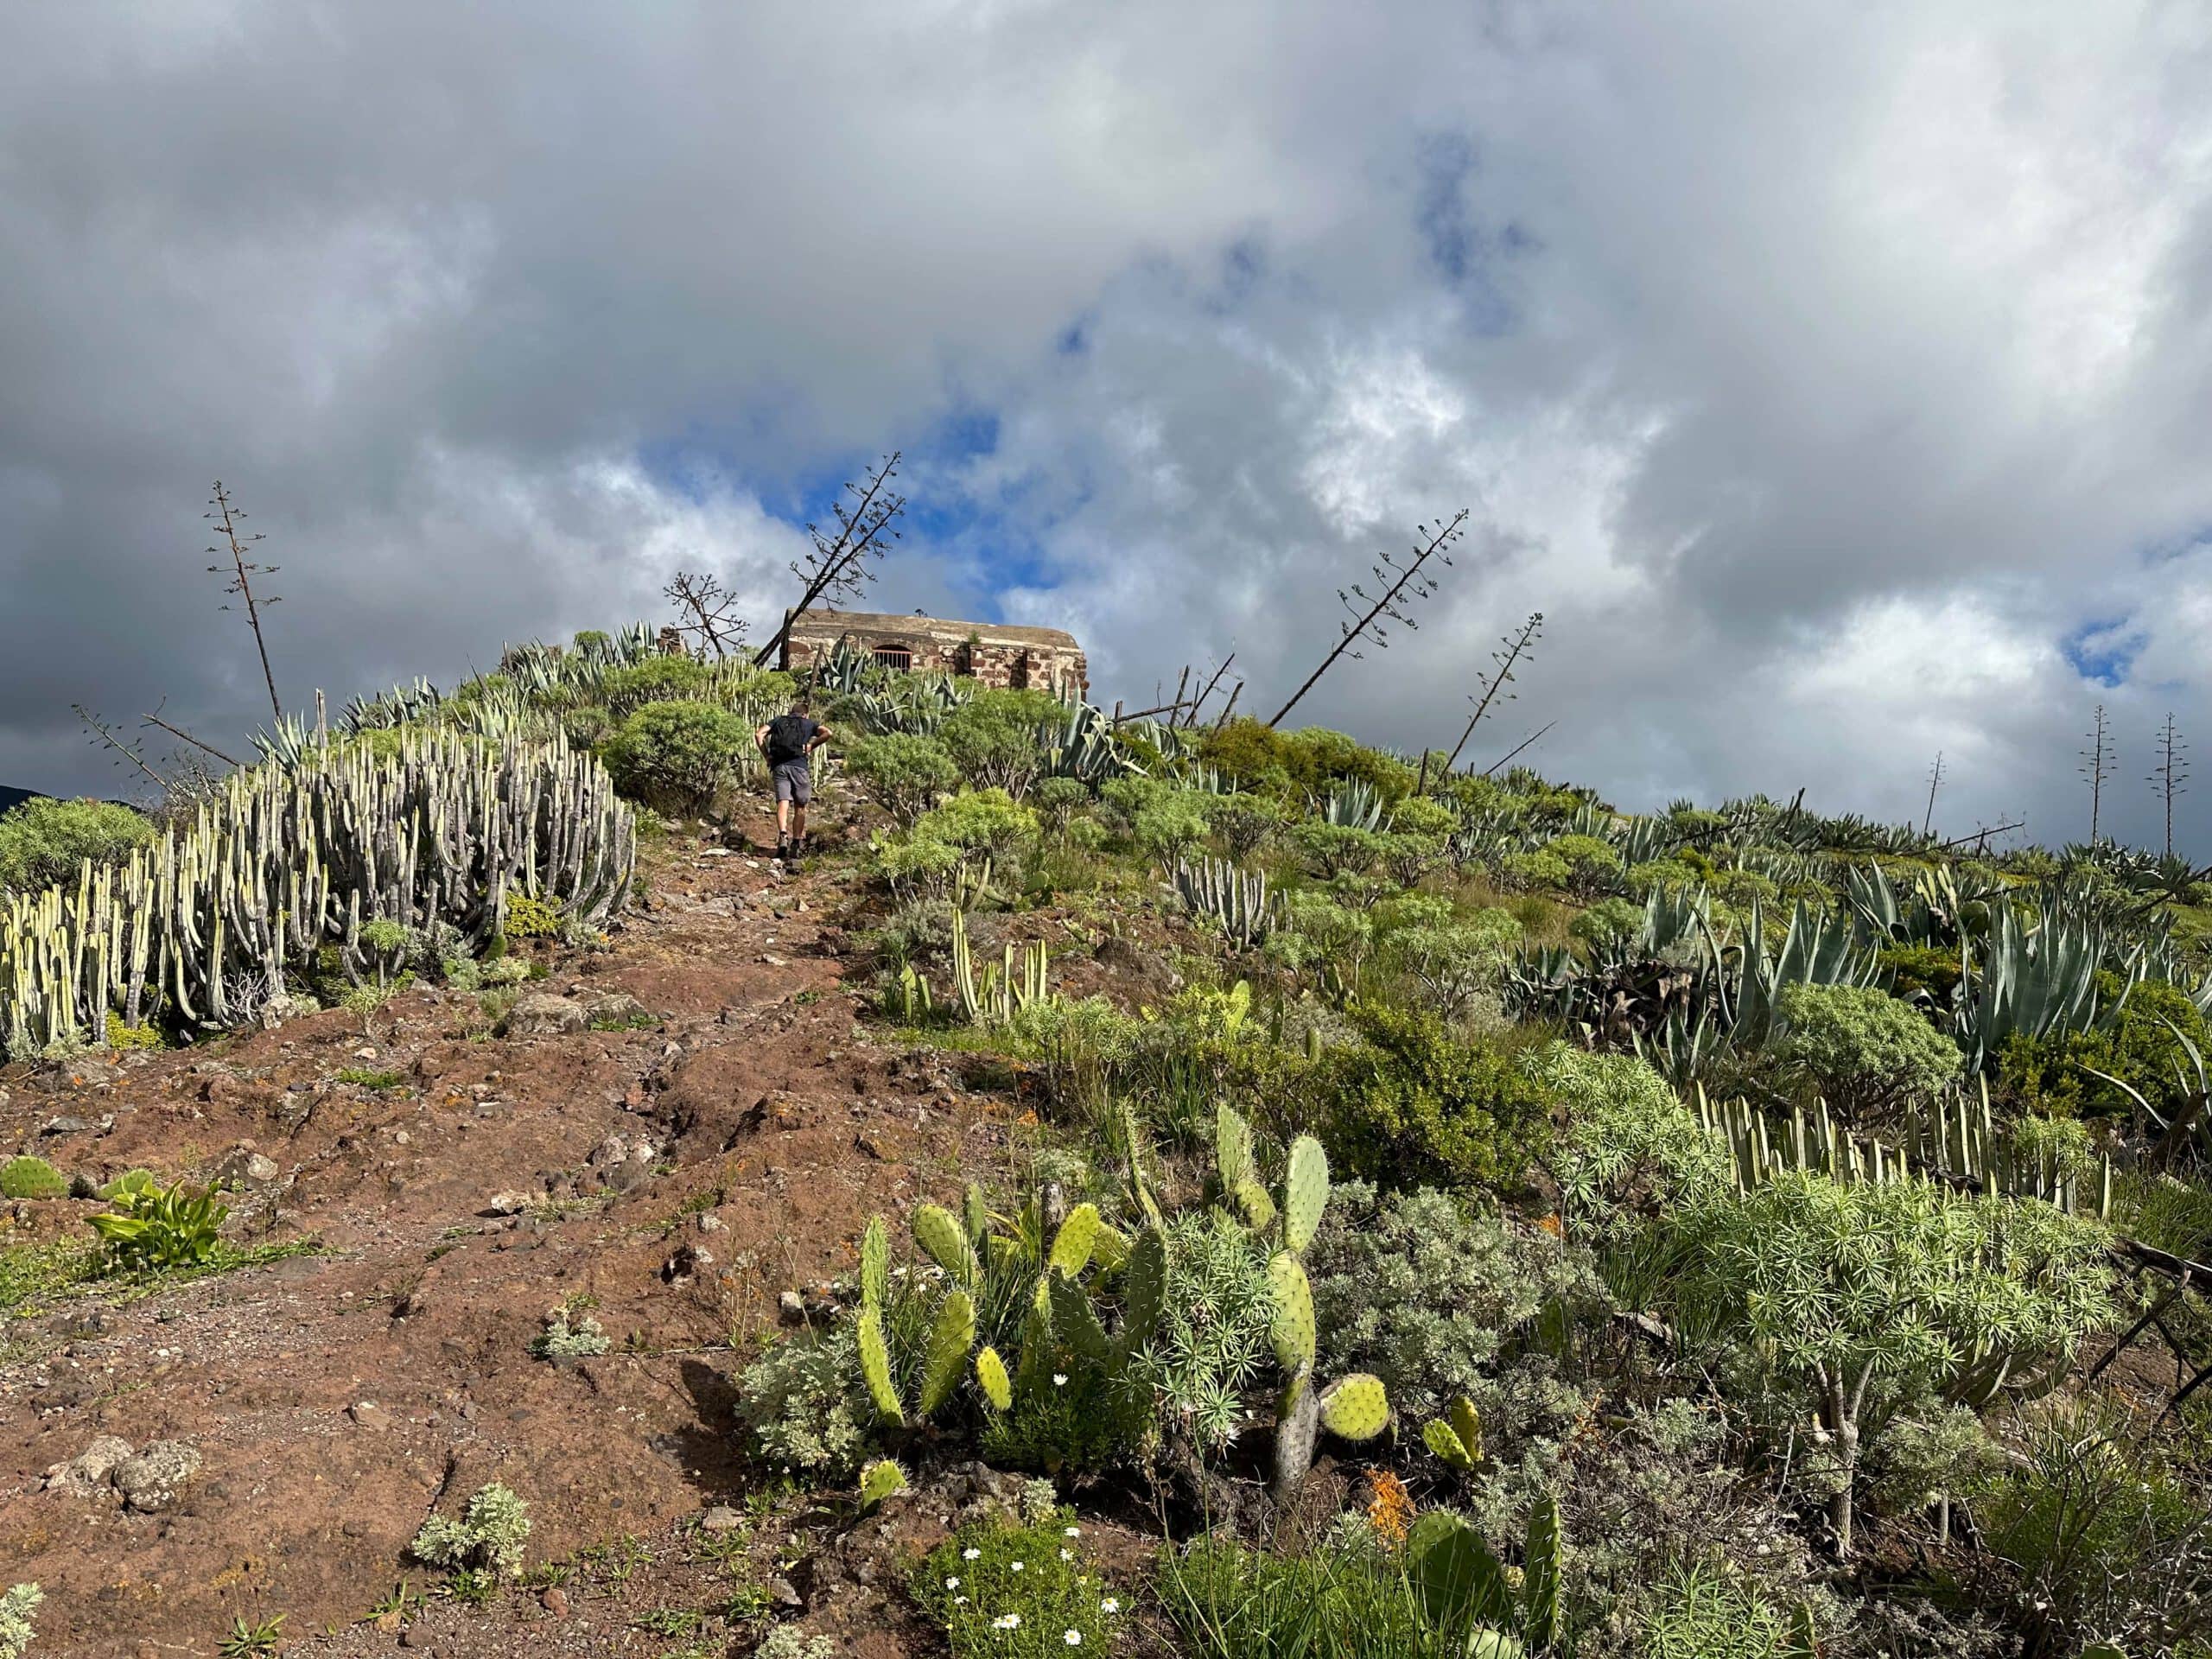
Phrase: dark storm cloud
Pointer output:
(1819, 370)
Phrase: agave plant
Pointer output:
(2027, 983)
(1355, 802)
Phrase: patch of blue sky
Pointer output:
(1462, 253)
(2102, 650)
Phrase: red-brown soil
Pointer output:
(337, 1398)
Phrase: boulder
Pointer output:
(150, 1481)
(242, 1170)
(91, 1470)
(542, 1016)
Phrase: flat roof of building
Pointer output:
(832, 623)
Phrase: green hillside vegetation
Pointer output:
(1472, 1219)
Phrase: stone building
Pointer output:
(997, 653)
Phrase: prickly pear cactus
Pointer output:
(976, 1215)
(951, 1338)
(1144, 1288)
(1232, 1148)
(875, 1263)
(1255, 1205)
(875, 1367)
(880, 1480)
(1355, 1408)
(1305, 1194)
(1071, 1248)
(1291, 1325)
(991, 1377)
(1457, 1437)
(940, 1233)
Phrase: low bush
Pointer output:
(43, 842)
(1441, 1302)
(1020, 1591)
(1413, 1106)
(1213, 1339)
(903, 774)
(488, 1537)
(154, 1227)
(802, 1408)
(997, 737)
(1864, 1051)
(2136, 1043)
(676, 756)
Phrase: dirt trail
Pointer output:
(334, 1399)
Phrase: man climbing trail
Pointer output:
(788, 741)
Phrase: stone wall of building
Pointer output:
(997, 654)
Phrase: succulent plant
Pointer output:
(880, 1480)
(1238, 902)
(1457, 1437)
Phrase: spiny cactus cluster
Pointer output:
(205, 923)
(1238, 902)
(1354, 1406)
(1061, 1332)
(999, 991)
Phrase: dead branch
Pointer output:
(1516, 646)
(243, 572)
(1406, 586)
(838, 565)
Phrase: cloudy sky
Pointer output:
(1837, 380)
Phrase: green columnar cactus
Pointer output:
(875, 1263)
(1540, 1574)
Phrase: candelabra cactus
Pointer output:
(1237, 902)
(207, 923)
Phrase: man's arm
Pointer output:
(761, 737)
(821, 736)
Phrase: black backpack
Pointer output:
(787, 738)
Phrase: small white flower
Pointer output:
(960, 1601)
(970, 1553)
(1073, 1532)
(1017, 1567)
(1110, 1605)
(1059, 1379)
(1067, 1555)
(952, 1583)
(1073, 1638)
(1007, 1621)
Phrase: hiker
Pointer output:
(787, 741)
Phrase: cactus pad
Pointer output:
(976, 1215)
(875, 1367)
(1254, 1204)
(939, 1233)
(1355, 1408)
(950, 1338)
(991, 1377)
(1079, 1234)
(876, 1263)
(1305, 1194)
(1109, 1248)
(1290, 1327)
(1144, 1287)
(1075, 1322)
(1232, 1148)
(880, 1480)
(1446, 1444)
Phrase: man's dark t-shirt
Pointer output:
(788, 736)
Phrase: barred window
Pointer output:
(895, 657)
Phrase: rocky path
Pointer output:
(715, 1134)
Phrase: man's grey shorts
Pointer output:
(794, 782)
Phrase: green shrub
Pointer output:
(676, 756)
(18, 1608)
(1020, 1591)
(532, 919)
(1590, 864)
(1629, 1147)
(1441, 1302)
(1608, 924)
(997, 737)
(1861, 1048)
(1213, 1343)
(154, 1228)
(1704, 1612)
(488, 1538)
(1526, 872)
(2136, 1043)
(903, 774)
(1245, 824)
(658, 679)
(1917, 967)
(26, 1177)
(1335, 849)
(43, 842)
(1172, 824)
(987, 822)
(1412, 1106)
(2104, 1532)
(1057, 800)
(130, 1040)
(802, 1408)
(1455, 961)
